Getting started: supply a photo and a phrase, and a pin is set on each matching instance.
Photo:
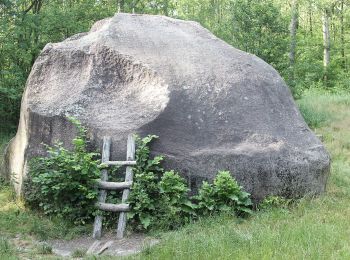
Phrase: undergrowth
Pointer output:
(63, 184)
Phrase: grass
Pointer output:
(19, 223)
(20, 226)
(6, 249)
(44, 249)
(16, 219)
(314, 118)
(314, 228)
(78, 253)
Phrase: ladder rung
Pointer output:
(112, 207)
(120, 163)
(107, 185)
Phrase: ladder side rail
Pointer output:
(106, 150)
(130, 156)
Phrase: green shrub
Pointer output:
(223, 195)
(158, 199)
(175, 205)
(144, 194)
(63, 183)
(274, 202)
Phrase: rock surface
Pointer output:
(214, 107)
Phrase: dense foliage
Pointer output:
(274, 202)
(261, 27)
(223, 195)
(158, 198)
(64, 182)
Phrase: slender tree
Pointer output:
(121, 6)
(326, 41)
(293, 32)
(342, 34)
(310, 20)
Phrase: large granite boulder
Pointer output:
(214, 107)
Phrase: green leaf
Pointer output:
(233, 197)
(145, 221)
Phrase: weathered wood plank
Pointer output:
(107, 245)
(112, 207)
(121, 163)
(107, 185)
(93, 247)
(130, 155)
(102, 193)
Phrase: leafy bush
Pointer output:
(175, 205)
(159, 199)
(223, 195)
(274, 202)
(63, 183)
(164, 205)
(144, 195)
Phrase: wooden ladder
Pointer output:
(104, 185)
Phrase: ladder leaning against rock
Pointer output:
(104, 185)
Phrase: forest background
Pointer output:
(307, 41)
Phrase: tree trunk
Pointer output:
(326, 41)
(342, 36)
(35, 31)
(121, 6)
(310, 19)
(293, 31)
(165, 7)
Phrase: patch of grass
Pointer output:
(313, 117)
(322, 109)
(314, 112)
(78, 253)
(18, 222)
(44, 249)
(6, 249)
(16, 219)
(312, 230)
